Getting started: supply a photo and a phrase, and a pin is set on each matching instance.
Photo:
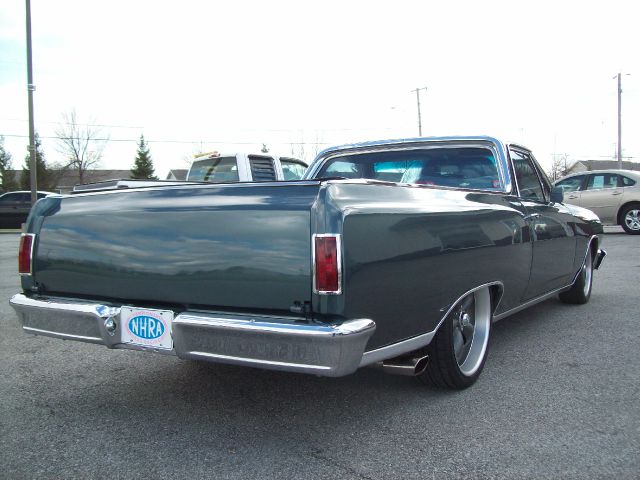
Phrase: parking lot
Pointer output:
(559, 398)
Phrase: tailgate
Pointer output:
(228, 246)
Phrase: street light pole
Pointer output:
(30, 88)
(417, 90)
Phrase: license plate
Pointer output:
(146, 327)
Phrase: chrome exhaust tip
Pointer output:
(408, 366)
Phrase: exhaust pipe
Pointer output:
(406, 365)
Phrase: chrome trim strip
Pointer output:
(259, 363)
(414, 343)
(63, 336)
(64, 305)
(33, 243)
(338, 238)
(529, 303)
(209, 321)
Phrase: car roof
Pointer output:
(631, 173)
(417, 140)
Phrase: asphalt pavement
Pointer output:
(559, 398)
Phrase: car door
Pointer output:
(572, 187)
(554, 241)
(602, 195)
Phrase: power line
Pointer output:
(166, 141)
(240, 129)
(79, 124)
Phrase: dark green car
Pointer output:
(398, 254)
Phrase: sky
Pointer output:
(197, 76)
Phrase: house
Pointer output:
(177, 174)
(588, 165)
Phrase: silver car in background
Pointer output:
(613, 195)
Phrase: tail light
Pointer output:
(25, 254)
(327, 264)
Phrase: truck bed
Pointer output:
(186, 246)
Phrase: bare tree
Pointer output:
(82, 144)
(304, 150)
(559, 167)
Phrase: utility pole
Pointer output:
(30, 88)
(417, 90)
(619, 121)
(619, 153)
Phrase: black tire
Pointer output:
(454, 365)
(580, 291)
(630, 219)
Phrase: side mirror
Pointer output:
(557, 194)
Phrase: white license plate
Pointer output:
(146, 327)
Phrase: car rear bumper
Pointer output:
(276, 343)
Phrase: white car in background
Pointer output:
(215, 167)
(613, 195)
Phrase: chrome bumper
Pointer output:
(274, 343)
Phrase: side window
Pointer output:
(342, 168)
(599, 181)
(626, 181)
(528, 181)
(571, 184)
(292, 169)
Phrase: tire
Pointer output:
(630, 219)
(459, 350)
(580, 291)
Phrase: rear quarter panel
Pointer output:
(407, 258)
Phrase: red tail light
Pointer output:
(327, 264)
(25, 254)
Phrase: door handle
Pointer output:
(532, 216)
(572, 196)
(616, 193)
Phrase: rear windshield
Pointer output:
(216, 170)
(461, 167)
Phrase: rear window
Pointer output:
(459, 167)
(215, 170)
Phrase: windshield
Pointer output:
(216, 170)
(461, 167)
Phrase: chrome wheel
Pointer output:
(458, 351)
(587, 273)
(471, 324)
(632, 219)
(580, 291)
